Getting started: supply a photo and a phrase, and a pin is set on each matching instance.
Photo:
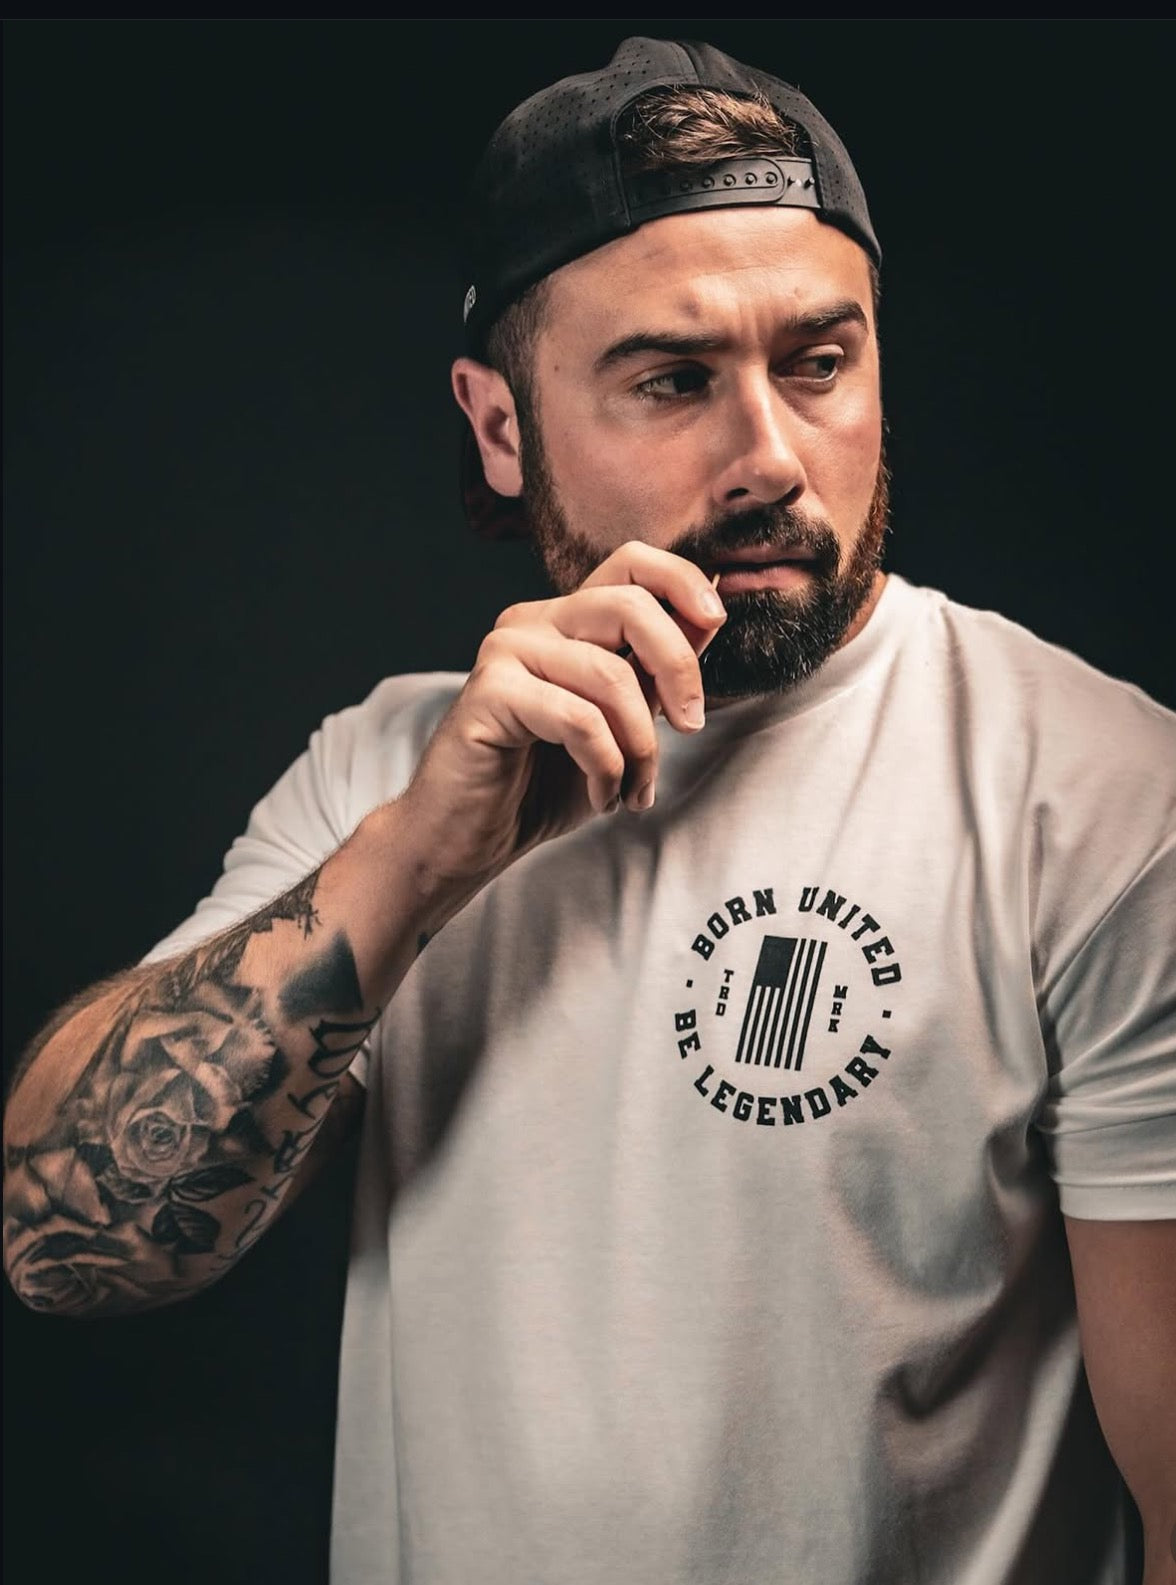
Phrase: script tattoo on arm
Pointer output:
(179, 1141)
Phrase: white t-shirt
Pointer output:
(707, 1225)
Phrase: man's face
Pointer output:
(710, 385)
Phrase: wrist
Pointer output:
(396, 843)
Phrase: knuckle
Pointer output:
(644, 754)
(612, 761)
(582, 719)
(638, 599)
(491, 645)
(495, 670)
(494, 648)
(522, 611)
(645, 748)
(629, 716)
(685, 671)
(508, 617)
(587, 726)
(615, 676)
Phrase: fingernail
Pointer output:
(645, 796)
(693, 713)
(611, 808)
(712, 605)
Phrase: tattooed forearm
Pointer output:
(330, 1110)
(328, 981)
(187, 1120)
(221, 958)
(122, 985)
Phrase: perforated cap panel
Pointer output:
(548, 188)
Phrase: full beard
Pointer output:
(772, 638)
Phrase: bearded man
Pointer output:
(751, 974)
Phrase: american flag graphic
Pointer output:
(780, 1002)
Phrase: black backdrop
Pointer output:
(230, 509)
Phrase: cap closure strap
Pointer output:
(751, 179)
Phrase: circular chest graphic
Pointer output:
(786, 1005)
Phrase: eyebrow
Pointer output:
(675, 345)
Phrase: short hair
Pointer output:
(670, 129)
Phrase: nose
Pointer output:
(761, 460)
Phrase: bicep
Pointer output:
(1125, 1285)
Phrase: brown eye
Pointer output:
(819, 366)
(674, 384)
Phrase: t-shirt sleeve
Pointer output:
(1109, 1025)
(356, 760)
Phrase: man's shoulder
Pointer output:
(994, 658)
(1039, 730)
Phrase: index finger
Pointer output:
(626, 650)
(699, 634)
(682, 587)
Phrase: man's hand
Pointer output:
(163, 1120)
(554, 724)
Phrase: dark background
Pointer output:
(231, 508)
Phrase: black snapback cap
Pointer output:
(550, 188)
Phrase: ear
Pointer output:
(484, 397)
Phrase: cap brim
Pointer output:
(490, 515)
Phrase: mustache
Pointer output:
(781, 528)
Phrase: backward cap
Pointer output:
(549, 187)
